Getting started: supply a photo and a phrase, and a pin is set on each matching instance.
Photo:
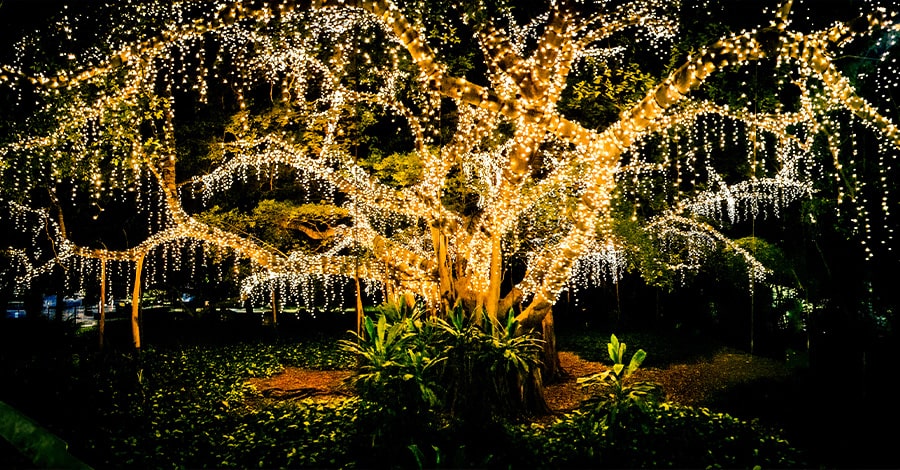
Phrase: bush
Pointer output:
(626, 425)
(617, 393)
(431, 383)
(662, 436)
(409, 362)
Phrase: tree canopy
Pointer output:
(478, 153)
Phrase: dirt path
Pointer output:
(688, 384)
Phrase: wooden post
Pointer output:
(136, 302)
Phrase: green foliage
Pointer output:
(288, 214)
(668, 348)
(43, 448)
(629, 426)
(411, 362)
(661, 436)
(430, 383)
(293, 435)
(398, 169)
(601, 92)
(187, 407)
(616, 393)
(278, 223)
(461, 193)
(488, 366)
(645, 255)
(391, 370)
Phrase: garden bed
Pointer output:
(691, 384)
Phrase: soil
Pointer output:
(694, 384)
(295, 383)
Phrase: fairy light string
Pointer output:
(411, 239)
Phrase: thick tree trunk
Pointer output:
(552, 370)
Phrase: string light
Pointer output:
(324, 64)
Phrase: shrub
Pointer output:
(488, 368)
(616, 393)
(431, 383)
(453, 364)
(626, 425)
(661, 436)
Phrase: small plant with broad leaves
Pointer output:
(512, 360)
(488, 364)
(391, 369)
(397, 380)
(616, 392)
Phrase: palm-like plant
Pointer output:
(390, 366)
(469, 368)
(512, 359)
(616, 393)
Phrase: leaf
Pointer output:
(370, 328)
(418, 455)
(382, 326)
(636, 360)
(38, 444)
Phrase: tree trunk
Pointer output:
(102, 306)
(535, 401)
(552, 370)
(359, 305)
(136, 303)
(60, 304)
(274, 309)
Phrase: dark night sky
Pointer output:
(22, 17)
(19, 16)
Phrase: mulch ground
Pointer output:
(693, 384)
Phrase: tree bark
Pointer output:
(492, 301)
(359, 305)
(274, 309)
(136, 303)
(102, 306)
(552, 369)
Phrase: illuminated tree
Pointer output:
(436, 174)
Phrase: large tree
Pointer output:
(495, 179)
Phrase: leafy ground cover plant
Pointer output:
(662, 436)
(627, 424)
(184, 407)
